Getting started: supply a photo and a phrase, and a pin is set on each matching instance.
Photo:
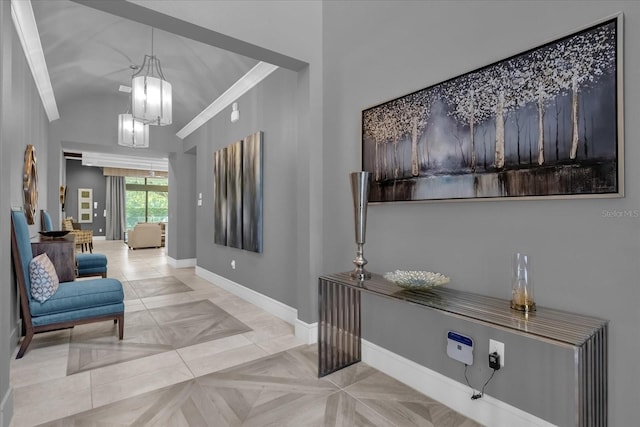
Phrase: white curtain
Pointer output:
(116, 219)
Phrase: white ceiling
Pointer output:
(90, 52)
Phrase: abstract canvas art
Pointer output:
(252, 193)
(237, 189)
(543, 123)
(220, 197)
(234, 194)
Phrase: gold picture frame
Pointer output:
(30, 184)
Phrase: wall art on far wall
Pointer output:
(85, 205)
(30, 184)
(237, 192)
(543, 123)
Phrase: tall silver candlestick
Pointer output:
(360, 191)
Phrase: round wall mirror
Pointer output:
(30, 184)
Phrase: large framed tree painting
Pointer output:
(237, 192)
(543, 123)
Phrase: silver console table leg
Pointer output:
(338, 327)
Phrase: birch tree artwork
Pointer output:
(541, 123)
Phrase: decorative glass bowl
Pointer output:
(416, 280)
(54, 233)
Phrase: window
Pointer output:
(146, 200)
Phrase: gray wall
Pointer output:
(269, 107)
(79, 176)
(181, 232)
(22, 122)
(583, 262)
(7, 344)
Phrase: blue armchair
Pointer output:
(86, 264)
(73, 303)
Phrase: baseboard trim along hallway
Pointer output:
(181, 263)
(268, 304)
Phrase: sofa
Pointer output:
(145, 235)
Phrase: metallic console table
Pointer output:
(339, 331)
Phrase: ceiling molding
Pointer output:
(125, 162)
(254, 76)
(140, 173)
(25, 23)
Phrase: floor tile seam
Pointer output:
(137, 395)
(188, 320)
(91, 387)
(398, 401)
(367, 405)
(29, 363)
(271, 338)
(191, 298)
(195, 377)
(250, 344)
(112, 366)
(161, 275)
(166, 296)
(279, 383)
(148, 310)
(316, 396)
(336, 384)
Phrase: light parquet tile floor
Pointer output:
(196, 355)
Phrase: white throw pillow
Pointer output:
(44, 279)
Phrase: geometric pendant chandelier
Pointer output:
(151, 93)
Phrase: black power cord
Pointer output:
(475, 395)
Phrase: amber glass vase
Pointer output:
(521, 284)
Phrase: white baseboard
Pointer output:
(14, 335)
(305, 331)
(181, 263)
(270, 305)
(487, 411)
(6, 408)
(99, 237)
(308, 332)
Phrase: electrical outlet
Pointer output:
(498, 347)
(233, 264)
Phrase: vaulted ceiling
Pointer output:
(92, 52)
